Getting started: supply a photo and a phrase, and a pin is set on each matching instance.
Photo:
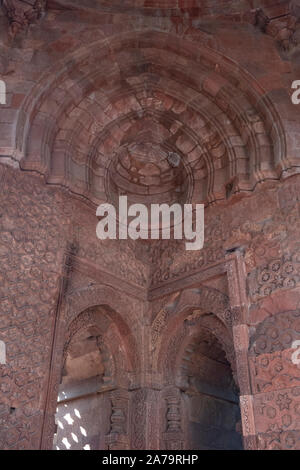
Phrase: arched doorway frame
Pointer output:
(70, 308)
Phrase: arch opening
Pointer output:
(78, 401)
(201, 378)
(94, 365)
(210, 396)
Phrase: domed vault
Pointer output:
(159, 120)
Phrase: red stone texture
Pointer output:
(123, 344)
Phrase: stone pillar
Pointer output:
(173, 438)
(118, 437)
(241, 346)
(239, 302)
(144, 422)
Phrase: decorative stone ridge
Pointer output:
(279, 22)
(22, 13)
(246, 402)
(97, 153)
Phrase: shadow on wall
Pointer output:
(211, 397)
(77, 428)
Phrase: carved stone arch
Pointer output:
(208, 300)
(245, 112)
(72, 307)
(203, 301)
(108, 349)
(196, 321)
(197, 328)
(186, 326)
(119, 310)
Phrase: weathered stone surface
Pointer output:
(184, 101)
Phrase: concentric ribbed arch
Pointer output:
(143, 88)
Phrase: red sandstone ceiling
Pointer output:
(149, 112)
(102, 115)
(199, 8)
(203, 7)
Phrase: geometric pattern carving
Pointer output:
(278, 411)
(274, 371)
(276, 333)
(282, 273)
(148, 103)
(279, 440)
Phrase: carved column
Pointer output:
(173, 436)
(144, 425)
(56, 363)
(118, 438)
(239, 302)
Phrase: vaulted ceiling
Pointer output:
(112, 118)
(150, 112)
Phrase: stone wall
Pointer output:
(33, 240)
(257, 325)
(85, 84)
